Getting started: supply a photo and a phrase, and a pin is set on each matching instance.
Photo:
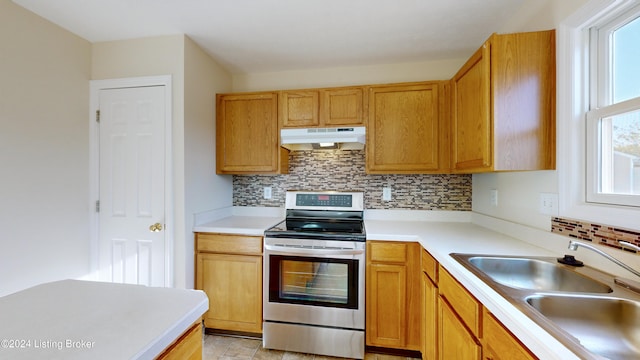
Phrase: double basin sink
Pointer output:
(583, 308)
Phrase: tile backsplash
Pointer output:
(345, 170)
(597, 233)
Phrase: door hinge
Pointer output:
(97, 115)
(97, 205)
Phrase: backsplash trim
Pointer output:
(597, 233)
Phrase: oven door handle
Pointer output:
(312, 251)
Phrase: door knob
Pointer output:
(155, 227)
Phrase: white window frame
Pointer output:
(573, 103)
(597, 134)
(600, 91)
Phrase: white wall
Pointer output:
(344, 76)
(204, 190)
(44, 141)
(518, 193)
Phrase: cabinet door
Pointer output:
(299, 108)
(466, 306)
(393, 295)
(523, 100)
(342, 107)
(404, 129)
(499, 343)
(472, 127)
(186, 347)
(233, 284)
(456, 342)
(386, 305)
(429, 319)
(247, 135)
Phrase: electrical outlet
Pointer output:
(386, 194)
(267, 192)
(493, 194)
(548, 204)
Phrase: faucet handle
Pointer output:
(629, 245)
(570, 260)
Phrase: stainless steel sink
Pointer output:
(535, 274)
(583, 308)
(605, 326)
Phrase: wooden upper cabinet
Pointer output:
(471, 126)
(407, 131)
(504, 105)
(331, 107)
(299, 108)
(342, 106)
(247, 135)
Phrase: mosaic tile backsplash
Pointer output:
(345, 170)
(597, 233)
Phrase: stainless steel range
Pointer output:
(314, 271)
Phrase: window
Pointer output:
(613, 119)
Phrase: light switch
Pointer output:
(548, 204)
(267, 192)
(386, 194)
(493, 193)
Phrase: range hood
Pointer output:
(344, 138)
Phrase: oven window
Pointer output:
(314, 281)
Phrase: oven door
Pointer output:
(314, 282)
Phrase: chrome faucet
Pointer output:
(573, 245)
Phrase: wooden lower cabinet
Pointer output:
(186, 347)
(430, 307)
(456, 341)
(455, 325)
(393, 295)
(499, 343)
(229, 271)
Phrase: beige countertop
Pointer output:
(241, 225)
(441, 238)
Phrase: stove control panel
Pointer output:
(325, 200)
(333, 200)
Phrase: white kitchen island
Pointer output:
(74, 319)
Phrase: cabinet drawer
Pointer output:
(229, 244)
(501, 342)
(387, 251)
(429, 266)
(465, 305)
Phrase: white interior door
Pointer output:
(131, 246)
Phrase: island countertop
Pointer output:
(75, 319)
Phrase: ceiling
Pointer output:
(252, 36)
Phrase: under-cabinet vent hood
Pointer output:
(344, 138)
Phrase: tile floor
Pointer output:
(219, 347)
